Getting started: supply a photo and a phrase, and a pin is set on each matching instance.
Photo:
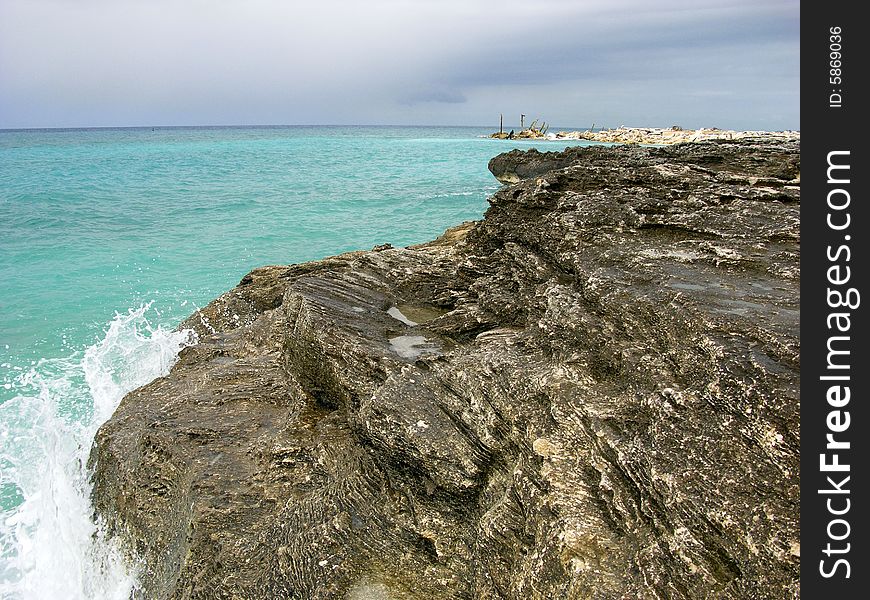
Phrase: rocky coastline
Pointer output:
(653, 135)
(593, 392)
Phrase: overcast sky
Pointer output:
(723, 63)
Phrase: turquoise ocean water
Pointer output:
(110, 237)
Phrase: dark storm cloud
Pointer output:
(692, 45)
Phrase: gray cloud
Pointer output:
(443, 95)
(130, 62)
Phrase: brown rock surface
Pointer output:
(598, 398)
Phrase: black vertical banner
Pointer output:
(835, 362)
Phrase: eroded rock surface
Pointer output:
(591, 393)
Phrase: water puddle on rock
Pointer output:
(413, 346)
(397, 314)
(422, 314)
(415, 314)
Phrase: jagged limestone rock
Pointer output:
(591, 393)
(673, 135)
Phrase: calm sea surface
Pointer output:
(109, 237)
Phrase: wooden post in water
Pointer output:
(501, 123)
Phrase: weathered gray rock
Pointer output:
(516, 165)
(598, 399)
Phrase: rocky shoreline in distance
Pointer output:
(593, 392)
(653, 135)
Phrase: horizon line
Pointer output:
(301, 125)
(235, 125)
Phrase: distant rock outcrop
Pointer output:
(591, 393)
(672, 135)
(651, 135)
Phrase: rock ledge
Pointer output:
(591, 393)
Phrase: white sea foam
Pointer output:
(49, 546)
